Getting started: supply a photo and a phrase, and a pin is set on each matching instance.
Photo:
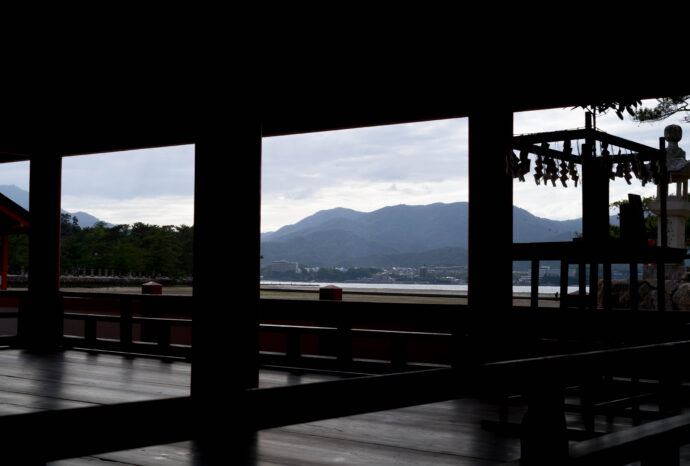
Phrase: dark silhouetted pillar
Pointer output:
(490, 209)
(226, 263)
(40, 319)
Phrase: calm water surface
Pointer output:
(460, 289)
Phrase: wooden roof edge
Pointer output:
(293, 111)
(14, 210)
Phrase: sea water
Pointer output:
(426, 287)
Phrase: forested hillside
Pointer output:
(164, 251)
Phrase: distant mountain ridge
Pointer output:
(404, 235)
(21, 197)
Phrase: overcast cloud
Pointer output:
(363, 169)
(418, 163)
(153, 186)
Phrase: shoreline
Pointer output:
(459, 291)
(382, 295)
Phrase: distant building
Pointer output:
(283, 266)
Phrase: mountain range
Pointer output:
(401, 235)
(21, 197)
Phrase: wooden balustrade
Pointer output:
(378, 337)
(144, 322)
(256, 409)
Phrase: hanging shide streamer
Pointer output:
(552, 165)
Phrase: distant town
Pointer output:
(284, 270)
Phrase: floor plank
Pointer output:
(447, 433)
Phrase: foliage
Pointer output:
(164, 251)
(664, 108)
(623, 105)
(18, 259)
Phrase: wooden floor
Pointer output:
(439, 434)
(447, 433)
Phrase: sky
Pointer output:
(363, 169)
(420, 163)
(154, 186)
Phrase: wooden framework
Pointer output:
(225, 331)
(14, 220)
(596, 247)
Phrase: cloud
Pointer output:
(153, 186)
(15, 173)
(155, 210)
(131, 174)
(363, 169)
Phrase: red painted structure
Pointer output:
(14, 220)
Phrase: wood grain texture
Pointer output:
(447, 433)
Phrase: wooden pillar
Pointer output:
(543, 435)
(226, 266)
(662, 191)
(490, 229)
(595, 192)
(564, 284)
(534, 290)
(5, 260)
(595, 206)
(40, 319)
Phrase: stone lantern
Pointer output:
(677, 206)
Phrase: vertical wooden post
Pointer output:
(5, 259)
(226, 269)
(663, 226)
(534, 290)
(543, 438)
(40, 325)
(126, 322)
(344, 341)
(634, 288)
(607, 285)
(593, 285)
(490, 219)
(582, 282)
(564, 284)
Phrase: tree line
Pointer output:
(158, 251)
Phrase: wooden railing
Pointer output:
(397, 340)
(354, 336)
(656, 443)
(357, 336)
(148, 324)
(257, 409)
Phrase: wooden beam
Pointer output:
(39, 437)
(651, 442)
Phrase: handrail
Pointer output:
(264, 408)
(653, 441)
(161, 314)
